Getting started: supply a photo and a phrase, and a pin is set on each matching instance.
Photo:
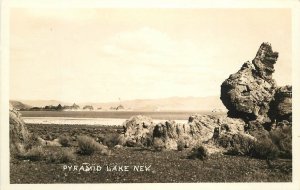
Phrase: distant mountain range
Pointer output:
(211, 103)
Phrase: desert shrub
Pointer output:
(48, 137)
(100, 138)
(66, 156)
(241, 145)
(105, 152)
(259, 133)
(33, 154)
(147, 141)
(31, 142)
(88, 145)
(158, 144)
(64, 140)
(111, 140)
(60, 156)
(199, 152)
(224, 141)
(180, 145)
(131, 143)
(184, 142)
(282, 138)
(265, 149)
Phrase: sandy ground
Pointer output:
(81, 121)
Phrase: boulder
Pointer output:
(248, 92)
(281, 106)
(138, 130)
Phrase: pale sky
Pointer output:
(98, 55)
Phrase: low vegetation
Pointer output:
(49, 154)
(264, 149)
(241, 145)
(199, 152)
(64, 140)
(111, 140)
(61, 156)
(158, 144)
(33, 154)
(282, 138)
(88, 145)
(167, 166)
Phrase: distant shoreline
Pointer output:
(83, 121)
(109, 118)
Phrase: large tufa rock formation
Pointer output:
(19, 136)
(200, 128)
(169, 135)
(138, 130)
(281, 106)
(248, 93)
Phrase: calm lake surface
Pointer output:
(174, 115)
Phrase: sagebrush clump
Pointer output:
(183, 143)
(180, 145)
(64, 140)
(60, 156)
(111, 140)
(265, 149)
(88, 145)
(241, 145)
(199, 152)
(259, 148)
(34, 154)
(282, 138)
(158, 144)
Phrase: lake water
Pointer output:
(117, 114)
(102, 117)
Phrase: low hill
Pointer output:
(43, 103)
(19, 105)
(211, 103)
(167, 104)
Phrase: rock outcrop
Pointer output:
(248, 93)
(200, 128)
(281, 106)
(169, 135)
(252, 94)
(138, 130)
(254, 102)
(19, 136)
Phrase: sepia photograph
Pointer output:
(150, 95)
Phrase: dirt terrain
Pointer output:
(163, 166)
